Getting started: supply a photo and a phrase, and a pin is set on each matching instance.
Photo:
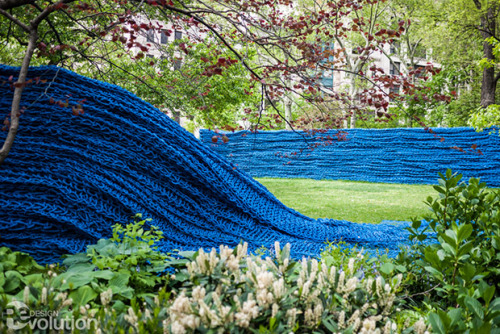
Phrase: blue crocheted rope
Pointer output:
(388, 155)
(69, 178)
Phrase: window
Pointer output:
(394, 47)
(178, 34)
(395, 68)
(421, 71)
(393, 90)
(327, 81)
(150, 36)
(326, 62)
(163, 37)
(327, 49)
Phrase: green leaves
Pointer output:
(13, 267)
(464, 231)
(462, 266)
(74, 280)
(12, 281)
(127, 263)
(437, 323)
(474, 307)
(387, 268)
(485, 118)
(83, 295)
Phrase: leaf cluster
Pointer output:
(459, 270)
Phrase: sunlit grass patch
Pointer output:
(354, 201)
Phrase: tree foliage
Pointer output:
(459, 35)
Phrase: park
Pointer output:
(231, 166)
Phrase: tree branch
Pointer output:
(32, 31)
(10, 4)
(497, 77)
(16, 101)
(15, 20)
(46, 12)
(222, 39)
(478, 4)
(56, 33)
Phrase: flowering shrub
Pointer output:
(230, 291)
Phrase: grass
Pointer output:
(354, 201)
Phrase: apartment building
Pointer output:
(393, 60)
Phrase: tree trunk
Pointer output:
(353, 92)
(16, 101)
(489, 84)
(353, 121)
(345, 122)
(288, 112)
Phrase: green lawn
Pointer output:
(353, 201)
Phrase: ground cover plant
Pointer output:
(351, 200)
(125, 285)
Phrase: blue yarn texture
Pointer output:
(411, 155)
(69, 178)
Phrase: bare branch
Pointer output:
(56, 33)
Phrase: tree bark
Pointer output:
(16, 101)
(9, 4)
(487, 30)
(32, 31)
(353, 92)
(288, 112)
(488, 85)
(352, 123)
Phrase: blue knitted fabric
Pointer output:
(68, 179)
(388, 155)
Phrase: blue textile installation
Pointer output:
(69, 178)
(388, 155)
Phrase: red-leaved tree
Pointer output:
(289, 38)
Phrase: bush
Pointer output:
(232, 292)
(459, 275)
(227, 291)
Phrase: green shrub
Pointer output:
(232, 292)
(115, 273)
(486, 118)
(128, 265)
(459, 275)
(17, 268)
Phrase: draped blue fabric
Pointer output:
(69, 178)
(388, 155)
